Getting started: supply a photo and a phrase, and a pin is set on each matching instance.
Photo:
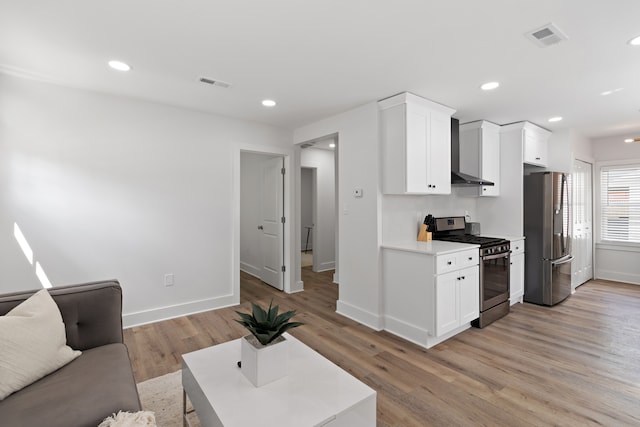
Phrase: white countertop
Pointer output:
(433, 247)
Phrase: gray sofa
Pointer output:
(94, 385)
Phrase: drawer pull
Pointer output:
(470, 258)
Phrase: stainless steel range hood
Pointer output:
(459, 178)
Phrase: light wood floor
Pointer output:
(576, 364)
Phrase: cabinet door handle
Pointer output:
(470, 258)
(462, 278)
(484, 189)
(448, 262)
(537, 158)
(510, 263)
(517, 247)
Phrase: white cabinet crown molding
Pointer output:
(407, 97)
(480, 124)
(524, 126)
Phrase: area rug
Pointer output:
(163, 396)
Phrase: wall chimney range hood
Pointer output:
(458, 178)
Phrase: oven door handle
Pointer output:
(496, 256)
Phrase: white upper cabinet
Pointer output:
(416, 145)
(480, 155)
(536, 150)
(535, 142)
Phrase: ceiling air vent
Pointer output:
(546, 35)
(213, 82)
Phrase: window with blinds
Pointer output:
(620, 203)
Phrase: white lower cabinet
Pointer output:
(516, 273)
(457, 299)
(428, 298)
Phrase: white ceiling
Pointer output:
(323, 57)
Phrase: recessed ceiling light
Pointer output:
(490, 86)
(332, 145)
(628, 140)
(119, 65)
(555, 119)
(269, 103)
(609, 92)
(635, 41)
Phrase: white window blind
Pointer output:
(620, 203)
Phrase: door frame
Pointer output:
(289, 284)
(298, 167)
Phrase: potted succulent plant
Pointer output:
(264, 354)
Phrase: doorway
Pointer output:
(307, 210)
(318, 228)
(582, 234)
(262, 218)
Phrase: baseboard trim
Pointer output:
(617, 276)
(407, 331)
(170, 312)
(359, 315)
(250, 269)
(299, 287)
(327, 266)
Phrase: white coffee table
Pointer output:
(315, 391)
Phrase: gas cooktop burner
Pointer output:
(471, 238)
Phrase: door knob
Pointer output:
(260, 227)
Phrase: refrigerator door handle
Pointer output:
(563, 206)
(563, 260)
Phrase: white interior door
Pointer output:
(582, 265)
(272, 226)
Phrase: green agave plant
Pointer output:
(267, 325)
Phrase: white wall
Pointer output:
(359, 218)
(614, 148)
(324, 232)
(615, 262)
(111, 187)
(566, 145)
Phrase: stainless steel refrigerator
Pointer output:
(547, 228)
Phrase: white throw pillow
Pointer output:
(33, 343)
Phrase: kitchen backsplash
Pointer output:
(402, 215)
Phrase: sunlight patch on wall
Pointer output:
(42, 277)
(22, 241)
(28, 253)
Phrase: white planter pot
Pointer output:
(263, 364)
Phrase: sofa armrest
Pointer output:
(92, 312)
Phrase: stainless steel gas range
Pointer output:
(494, 267)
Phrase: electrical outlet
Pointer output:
(169, 279)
